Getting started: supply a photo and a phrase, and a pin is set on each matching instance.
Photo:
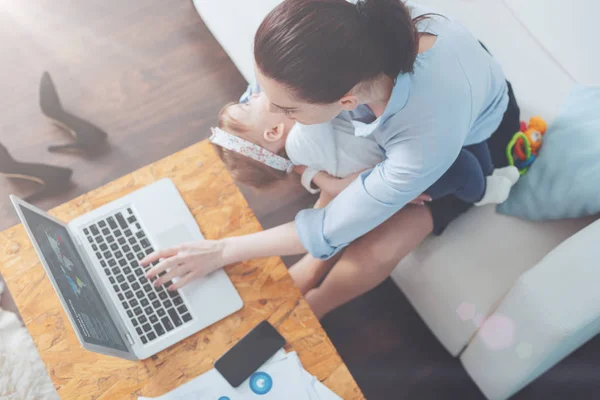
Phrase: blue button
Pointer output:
(261, 383)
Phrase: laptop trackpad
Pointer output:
(175, 236)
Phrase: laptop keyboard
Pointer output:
(119, 243)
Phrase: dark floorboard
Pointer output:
(151, 74)
(148, 72)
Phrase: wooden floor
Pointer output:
(150, 73)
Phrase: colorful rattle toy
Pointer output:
(523, 149)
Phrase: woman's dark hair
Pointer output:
(321, 49)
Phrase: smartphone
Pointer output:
(243, 359)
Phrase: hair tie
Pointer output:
(250, 150)
(360, 7)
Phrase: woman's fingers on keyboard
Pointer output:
(157, 255)
(175, 270)
(183, 281)
(152, 257)
(170, 263)
(197, 259)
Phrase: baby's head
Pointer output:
(253, 122)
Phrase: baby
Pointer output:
(250, 140)
(260, 148)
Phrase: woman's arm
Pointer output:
(213, 254)
(193, 260)
(279, 241)
(332, 186)
(374, 196)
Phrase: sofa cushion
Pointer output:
(551, 310)
(455, 280)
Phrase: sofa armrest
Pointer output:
(551, 310)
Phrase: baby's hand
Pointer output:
(299, 169)
(332, 185)
(421, 199)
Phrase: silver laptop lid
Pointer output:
(72, 281)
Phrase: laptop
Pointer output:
(93, 264)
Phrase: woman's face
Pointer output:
(280, 99)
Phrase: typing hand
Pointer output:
(187, 262)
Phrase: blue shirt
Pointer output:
(456, 96)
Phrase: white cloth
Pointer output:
(332, 147)
(22, 372)
(283, 376)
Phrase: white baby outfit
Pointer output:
(331, 147)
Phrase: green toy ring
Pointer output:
(511, 145)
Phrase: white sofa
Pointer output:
(475, 286)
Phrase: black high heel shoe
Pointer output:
(52, 178)
(88, 137)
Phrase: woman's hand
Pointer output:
(187, 261)
(195, 260)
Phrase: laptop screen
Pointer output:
(74, 282)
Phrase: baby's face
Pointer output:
(255, 114)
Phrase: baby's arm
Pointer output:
(331, 185)
(324, 199)
(328, 184)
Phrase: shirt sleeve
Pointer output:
(411, 166)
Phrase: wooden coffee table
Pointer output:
(265, 286)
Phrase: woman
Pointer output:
(421, 85)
